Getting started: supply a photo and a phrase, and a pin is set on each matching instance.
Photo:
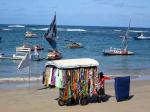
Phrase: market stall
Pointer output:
(76, 79)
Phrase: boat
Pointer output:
(38, 47)
(51, 36)
(120, 51)
(24, 48)
(1, 55)
(18, 56)
(117, 51)
(141, 37)
(73, 44)
(54, 55)
(29, 34)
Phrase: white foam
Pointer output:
(6, 29)
(19, 79)
(75, 30)
(41, 29)
(117, 30)
(20, 26)
(138, 31)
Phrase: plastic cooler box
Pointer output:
(122, 88)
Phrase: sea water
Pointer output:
(94, 38)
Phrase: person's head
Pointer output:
(101, 75)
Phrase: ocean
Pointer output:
(94, 38)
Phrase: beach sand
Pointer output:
(44, 100)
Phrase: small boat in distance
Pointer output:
(120, 51)
(1, 55)
(141, 37)
(26, 48)
(54, 55)
(51, 36)
(18, 56)
(73, 44)
(29, 34)
(117, 51)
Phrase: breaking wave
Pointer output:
(6, 29)
(41, 29)
(19, 26)
(75, 30)
(61, 29)
(19, 79)
(72, 29)
(117, 30)
(138, 31)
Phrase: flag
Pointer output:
(24, 62)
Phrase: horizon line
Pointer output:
(71, 25)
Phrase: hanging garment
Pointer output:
(57, 78)
(53, 77)
(47, 72)
(50, 75)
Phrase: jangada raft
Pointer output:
(51, 36)
(117, 51)
(75, 45)
(75, 78)
(120, 51)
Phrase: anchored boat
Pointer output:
(51, 36)
(120, 51)
(141, 37)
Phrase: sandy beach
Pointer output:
(44, 100)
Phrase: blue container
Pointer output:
(122, 88)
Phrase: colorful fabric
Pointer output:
(74, 82)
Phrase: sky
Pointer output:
(76, 12)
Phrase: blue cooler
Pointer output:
(122, 88)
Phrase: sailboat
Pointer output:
(123, 50)
(51, 36)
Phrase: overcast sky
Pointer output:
(76, 12)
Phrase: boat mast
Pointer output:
(125, 38)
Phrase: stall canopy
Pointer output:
(73, 63)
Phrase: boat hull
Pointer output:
(76, 45)
(54, 56)
(109, 53)
(146, 38)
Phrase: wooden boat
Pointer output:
(75, 45)
(38, 47)
(51, 36)
(23, 49)
(120, 51)
(26, 48)
(115, 51)
(18, 56)
(29, 34)
(141, 37)
(53, 55)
